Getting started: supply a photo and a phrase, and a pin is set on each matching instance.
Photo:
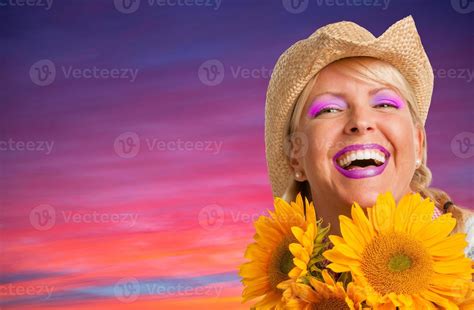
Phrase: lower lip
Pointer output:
(360, 173)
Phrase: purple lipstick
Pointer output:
(359, 161)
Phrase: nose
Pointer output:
(361, 121)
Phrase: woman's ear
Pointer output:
(419, 140)
(297, 152)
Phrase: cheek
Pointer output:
(401, 135)
(322, 139)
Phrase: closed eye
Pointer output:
(385, 105)
(327, 110)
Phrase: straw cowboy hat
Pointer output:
(399, 45)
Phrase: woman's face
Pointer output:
(361, 140)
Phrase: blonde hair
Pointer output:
(386, 74)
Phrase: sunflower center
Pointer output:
(330, 304)
(286, 263)
(281, 262)
(397, 262)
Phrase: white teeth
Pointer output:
(346, 159)
(367, 154)
(373, 154)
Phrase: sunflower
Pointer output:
(326, 295)
(401, 256)
(307, 251)
(270, 258)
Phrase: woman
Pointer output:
(344, 122)
(345, 116)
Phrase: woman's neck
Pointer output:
(331, 215)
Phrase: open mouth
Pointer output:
(361, 160)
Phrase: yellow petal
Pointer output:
(404, 212)
(327, 278)
(298, 233)
(336, 240)
(451, 267)
(437, 299)
(361, 221)
(338, 267)
(351, 234)
(338, 257)
(384, 212)
(299, 263)
(437, 230)
(452, 245)
(422, 216)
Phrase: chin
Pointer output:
(365, 198)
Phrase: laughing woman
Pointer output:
(345, 117)
(344, 122)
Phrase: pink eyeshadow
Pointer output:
(395, 100)
(318, 105)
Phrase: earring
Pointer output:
(297, 175)
(418, 163)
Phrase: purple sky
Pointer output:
(163, 195)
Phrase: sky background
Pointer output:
(136, 186)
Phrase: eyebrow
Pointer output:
(341, 95)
